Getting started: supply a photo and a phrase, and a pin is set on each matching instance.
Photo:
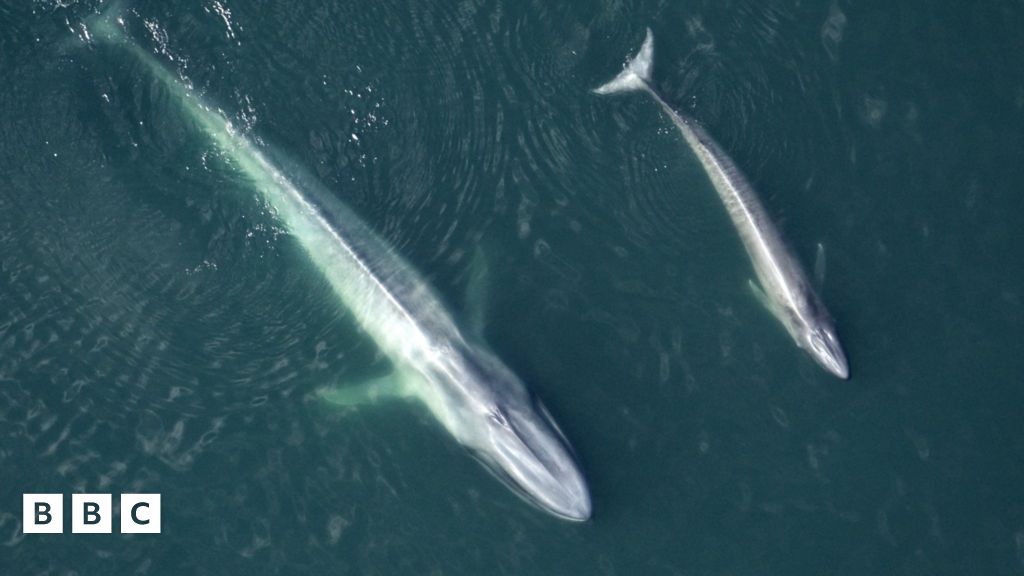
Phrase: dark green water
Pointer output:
(159, 332)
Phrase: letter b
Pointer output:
(42, 513)
(90, 513)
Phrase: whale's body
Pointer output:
(472, 394)
(786, 290)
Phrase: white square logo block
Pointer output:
(140, 513)
(90, 513)
(42, 513)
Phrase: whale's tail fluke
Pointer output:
(106, 25)
(637, 73)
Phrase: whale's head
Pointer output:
(528, 453)
(515, 437)
(821, 342)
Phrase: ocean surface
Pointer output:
(160, 332)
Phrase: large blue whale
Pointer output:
(466, 387)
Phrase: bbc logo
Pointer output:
(90, 513)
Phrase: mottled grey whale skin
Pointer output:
(467, 388)
(783, 285)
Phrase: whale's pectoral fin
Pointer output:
(761, 297)
(392, 386)
(476, 292)
(819, 265)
